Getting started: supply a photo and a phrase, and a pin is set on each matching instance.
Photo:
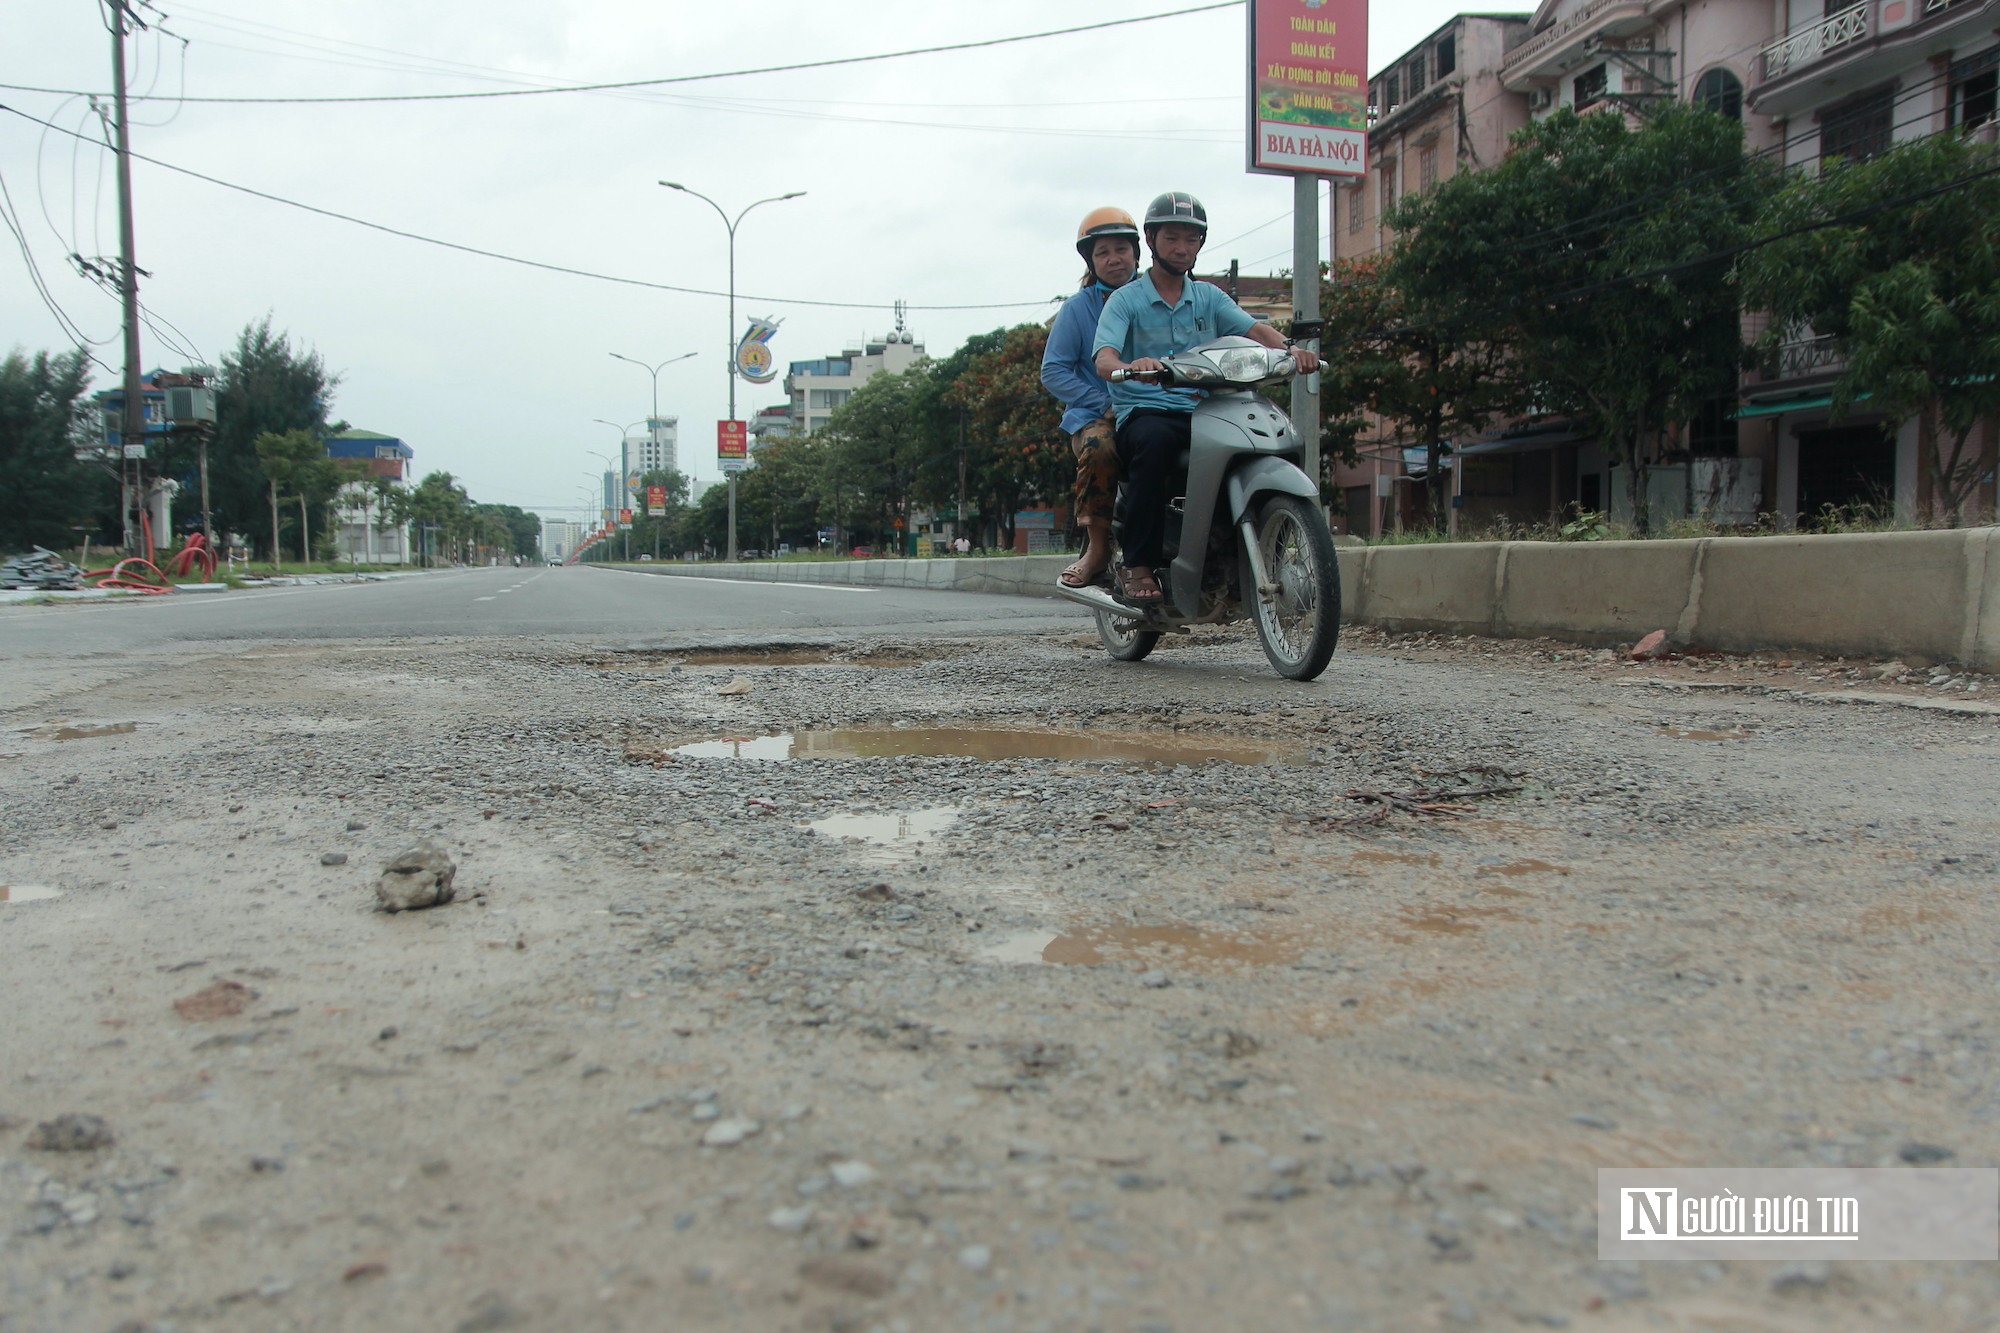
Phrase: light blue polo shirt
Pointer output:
(1137, 321)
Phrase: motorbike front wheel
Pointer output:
(1123, 638)
(1299, 621)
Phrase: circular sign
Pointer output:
(754, 360)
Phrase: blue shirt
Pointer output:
(1069, 369)
(1138, 322)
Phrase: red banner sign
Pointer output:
(1309, 86)
(732, 439)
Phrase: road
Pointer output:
(1014, 989)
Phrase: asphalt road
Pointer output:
(563, 602)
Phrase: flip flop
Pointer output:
(1076, 577)
(1131, 596)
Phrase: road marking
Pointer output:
(756, 583)
(482, 599)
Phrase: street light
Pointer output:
(729, 342)
(617, 470)
(654, 371)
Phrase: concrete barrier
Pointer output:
(1875, 594)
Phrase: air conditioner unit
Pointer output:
(1541, 99)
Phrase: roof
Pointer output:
(365, 444)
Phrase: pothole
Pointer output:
(793, 655)
(889, 838)
(995, 743)
(1524, 867)
(27, 893)
(82, 731)
(1186, 948)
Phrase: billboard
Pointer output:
(1308, 93)
(656, 501)
(732, 445)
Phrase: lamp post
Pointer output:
(729, 342)
(654, 371)
(617, 470)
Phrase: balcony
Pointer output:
(1554, 51)
(1818, 41)
(1804, 357)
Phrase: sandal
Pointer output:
(1080, 575)
(1137, 587)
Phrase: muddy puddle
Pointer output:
(1701, 734)
(27, 893)
(995, 743)
(82, 731)
(1512, 869)
(1186, 948)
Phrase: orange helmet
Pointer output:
(1102, 222)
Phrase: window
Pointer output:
(1591, 86)
(1392, 93)
(1721, 92)
(1712, 432)
(1388, 187)
(1975, 88)
(1447, 56)
(1357, 204)
(1427, 169)
(829, 399)
(1417, 79)
(1860, 129)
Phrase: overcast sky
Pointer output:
(943, 180)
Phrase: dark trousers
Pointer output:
(1149, 448)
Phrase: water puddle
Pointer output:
(83, 731)
(892, 838)
(1185, 948)
(27, 893)
(1511, 868)
(1453, 920)
(995, 743)
(1696, 734)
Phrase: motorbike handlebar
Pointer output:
(1122, 374)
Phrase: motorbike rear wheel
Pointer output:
(1123, 638)
(1300, 625)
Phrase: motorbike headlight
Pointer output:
(1244, 365)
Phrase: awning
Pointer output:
(1783, 406)
(1520, 444)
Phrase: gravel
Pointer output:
(1273, 1067)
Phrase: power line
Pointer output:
(527, 263)
(681, 78)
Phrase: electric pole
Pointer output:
(134, 430)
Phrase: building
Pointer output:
(816, 388)
(1849, 81)
(656, 451)
(361, 531)
(560, 540)
(770, 425)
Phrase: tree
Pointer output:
(44, 490)
(1897, 259)
(266, 388)
(878, 441)
(443, 512)
(1598, 255)
(662, 533)
(1013, 424)
(295, 467)
(1428, 377)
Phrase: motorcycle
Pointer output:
(1271, 559)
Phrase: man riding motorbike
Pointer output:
(1143, 323)
(1108, 241)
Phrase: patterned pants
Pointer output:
(1096, 450)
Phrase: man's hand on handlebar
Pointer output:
(1145, 367)
(1308, 362)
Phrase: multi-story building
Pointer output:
(816, 388)
(362, 531)
(657, 450)
(560, 540)
(1849, 80)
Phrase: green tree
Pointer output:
(1427, 377)
(299, 475)
(1017, 450)
(879, 442)
(1897, 259)
(44, 490)
(442, 511)
(267, 387)
(1597, 255)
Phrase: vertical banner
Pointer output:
(1308, 102)
(732, 445)
(656, 502)
(624, 518)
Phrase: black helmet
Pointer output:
(1177, 206)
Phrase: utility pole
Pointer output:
(959, 527)
(1305, 318)
(132, 474)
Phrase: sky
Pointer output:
(943, 180)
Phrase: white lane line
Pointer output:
(482, 599)
(754, 583)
